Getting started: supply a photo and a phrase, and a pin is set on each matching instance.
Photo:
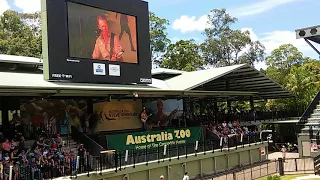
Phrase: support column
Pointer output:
(273, 133)
(215, 105)
(251, 103)
(89, 106)
(5, 111)
(228, 101)
(201, 106)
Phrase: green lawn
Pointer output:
(288, 177)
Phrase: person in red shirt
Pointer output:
(6, 146)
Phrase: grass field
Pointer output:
(288, 177)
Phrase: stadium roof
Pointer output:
(243, 80)
(20, 60)
(240, 77)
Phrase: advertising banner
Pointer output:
(118, 115)
(153, 139)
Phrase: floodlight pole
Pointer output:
(312, 46)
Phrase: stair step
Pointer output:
(312, 124)
(316, 115)
(313, 119)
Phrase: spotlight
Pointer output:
(313, 31)
(302, 33)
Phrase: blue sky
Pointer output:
(271, 21)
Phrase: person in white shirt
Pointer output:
(283, 150)
(186, 177)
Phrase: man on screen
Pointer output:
(107, 46)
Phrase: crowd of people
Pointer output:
(228, 129)
(52, 116)
(48, 157)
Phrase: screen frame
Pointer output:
(59, 66)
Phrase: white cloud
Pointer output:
(190, 23)
(28, 6)
(274, 39)
(253, 35)
(3, 6)
(258, 7)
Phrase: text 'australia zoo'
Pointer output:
(158, 139)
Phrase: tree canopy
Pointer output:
(17, 37)
(183, 55)
(158, 37)
(225, 46)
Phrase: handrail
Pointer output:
(303, 119)
(95, 148)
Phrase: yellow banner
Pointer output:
(119, 115)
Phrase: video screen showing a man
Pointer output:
(101, 35)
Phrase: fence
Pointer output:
(267, 168)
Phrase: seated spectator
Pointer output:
(6, 146)
(22, 145)
(14, 156)
(13, 145)
(59, 141)
(34, 165)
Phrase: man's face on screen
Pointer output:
(103, 25)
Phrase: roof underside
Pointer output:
(247, 78)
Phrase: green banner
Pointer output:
(153, 139)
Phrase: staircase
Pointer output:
(309, 127)
(313, 121)
(73, 145)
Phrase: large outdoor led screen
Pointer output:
(101, 35)
(96, 41)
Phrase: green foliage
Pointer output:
(183, 55)
(285, 57)
(224, 46)
(273, 177)
(17, 37)
(299, 74)
(158, 36)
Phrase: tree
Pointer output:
(183, 55)
(158, 36)
(285, 57)
(299, 74)
(17, 37)
(224, 46)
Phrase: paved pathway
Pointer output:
(311, 177)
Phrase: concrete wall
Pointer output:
(196, 165)
(304, 148)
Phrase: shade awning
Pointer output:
(231, 78)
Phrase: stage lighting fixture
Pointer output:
(313, 31)
(308, 32)
(302, 33)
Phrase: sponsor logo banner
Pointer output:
(153, 139)
(118, 115)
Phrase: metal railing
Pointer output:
(265, 168)
(93, 147)
(120, 159)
